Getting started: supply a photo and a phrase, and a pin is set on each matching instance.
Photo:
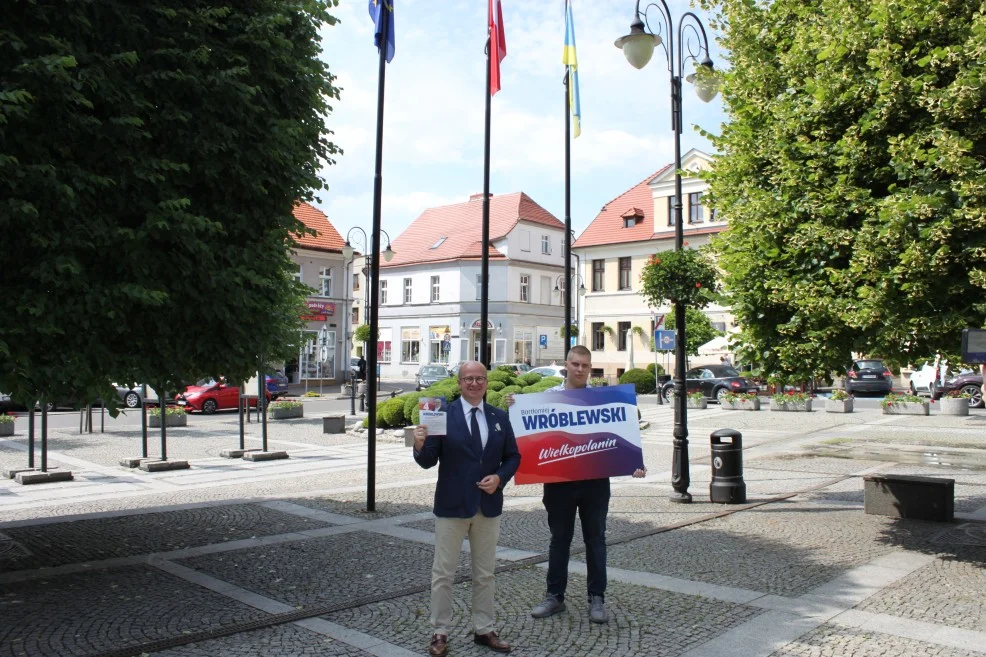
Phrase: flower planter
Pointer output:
(287, 413)
(7, 428)
(954, 406)
(698, 405)
(173, 420)
(741, 405)
(907, 408)
(791, 406)
(838, 405)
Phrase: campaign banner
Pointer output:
(570, 435)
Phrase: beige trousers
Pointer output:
(483, 535)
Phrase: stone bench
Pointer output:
(334, 423)
(906, 496)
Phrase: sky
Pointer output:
(435, 104)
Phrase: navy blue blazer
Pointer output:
(461, 465)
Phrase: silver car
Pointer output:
(133, 395)
(428, 375)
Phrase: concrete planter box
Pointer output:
(838, 405)
(408, 436)
(334, 423)
(741, 405)
(791, 407)
(698, 405)
(286, 413)
(908, 408)
(173, 420)
(7, 428)
(954, 406)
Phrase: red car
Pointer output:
(210, 396)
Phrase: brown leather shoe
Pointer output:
(492, 641)
(438, 646)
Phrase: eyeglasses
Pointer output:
(473, 379)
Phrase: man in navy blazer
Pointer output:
(476, 458)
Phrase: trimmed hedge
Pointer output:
(496, 386)
(651, 367)
(496, 399)
(505, 368)
(510, 389)
(504, 377)
(410, 403)
(642, 380)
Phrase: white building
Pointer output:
(613, 251)
(430, 291)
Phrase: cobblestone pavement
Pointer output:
(281, 558)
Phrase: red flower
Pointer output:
(698, 285)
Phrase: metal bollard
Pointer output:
(727, 485)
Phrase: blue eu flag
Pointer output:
(382, 13)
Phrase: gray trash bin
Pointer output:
(727, 485)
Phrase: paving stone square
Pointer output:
(643, 621)
(786, 548)
(389, 502)
(833, 640)
(329, 570)
(95, 611)
(286, 640)
(949, 591)
(105, 538)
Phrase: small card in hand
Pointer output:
(433, 413)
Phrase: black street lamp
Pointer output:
(348, 253)
(560, 281)
(638, 47)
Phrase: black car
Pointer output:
(713, 381)
(967, 382)
(869, 375)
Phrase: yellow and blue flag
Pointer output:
(382, 11)
(569, 59)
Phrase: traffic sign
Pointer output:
(664, 340)
(543, 340)
(659, 321)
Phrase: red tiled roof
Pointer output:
(327, 238)
(461, 226)
(607, 227)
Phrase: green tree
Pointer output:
(698, 329)
(150, 157)
(853, 174)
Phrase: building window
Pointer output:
(355, 315)
(625, 273)
(546, 245)
(696, 214)
(384, 345)
(383, 293)
(435, 289)
(299, 275)
(325, 282)
(407, 290)
(525, 288)
(479, 287)
(441, 344)
(546, 290)
(355, 282)
(621, 339)
(672, 200)
(523, 346)
(629, 222)
(598, 272)
(598, 337)
(719, 326)
(410, 344)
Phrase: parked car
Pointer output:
(550, 370)
(209, 396)
(519, 368)
(965, 381)
(713, 381)
(353, 366)
(869, 375)
(927, 377)
(428, 375)
(277, 384)
(133, 395)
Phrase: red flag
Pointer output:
(498, 45)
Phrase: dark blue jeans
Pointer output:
(590, 498)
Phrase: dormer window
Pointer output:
(440, 241)
(632, 217)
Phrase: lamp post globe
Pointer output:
(638, 48)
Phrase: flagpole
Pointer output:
(484, 313)
(371, 361)
(568, 216)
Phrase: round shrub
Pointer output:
(504, 377)
(505, 368)
(651, 367)
(554, 380)
(529, 379)
(642, 380)
(415, 415)
(496, 399)
(496, 386)
(510, 389)
(410, 403)
(529, 389)
(393, 412)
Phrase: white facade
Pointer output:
(430, 312)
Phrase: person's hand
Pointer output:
(420, 433)
(489, 484)
(640, 472)
(509, 398)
